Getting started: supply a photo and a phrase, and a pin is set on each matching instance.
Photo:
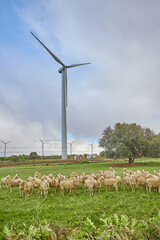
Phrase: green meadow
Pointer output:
(72, 209)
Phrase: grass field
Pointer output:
(72, 209)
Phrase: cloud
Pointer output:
(120, 39)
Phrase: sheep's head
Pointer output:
(44, 177)
(50, 175)
(30, 178)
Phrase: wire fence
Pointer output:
(47, 151)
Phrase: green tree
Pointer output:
(33, 155)
(14, 158)
(127, 140)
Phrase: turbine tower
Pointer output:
(5, 147)
(63, 70)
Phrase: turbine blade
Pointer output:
(57, 59)
(76, 65)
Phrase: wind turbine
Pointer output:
(71, 146)
(42, 147)
(91, 148)
(5, 146)
(63, 70)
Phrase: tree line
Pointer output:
(130, 141)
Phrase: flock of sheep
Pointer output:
(91, 183)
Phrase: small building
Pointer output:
(77, 157)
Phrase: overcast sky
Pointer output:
(120, 38)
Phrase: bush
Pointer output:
(14, 158)
(84, 162)
(33, 155)
(120, 227)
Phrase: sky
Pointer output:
(121, 40)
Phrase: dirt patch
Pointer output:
(126, 165)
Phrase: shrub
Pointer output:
(14, 158)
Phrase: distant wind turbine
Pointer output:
(63, 70)
(42, 147)
(71, 143)
(91, 148)
(5, 147)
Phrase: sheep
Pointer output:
(66, 184)
(48, 179)
(109, 175)
(76, 182)
(119, 180)
(21, 187)
(157, 173)
(82, 178)
(127, 172)
(129, 180)
(16, 176)
(74, 174)
(36, 183)
(54, 184)
(61, 177)
(44, 186)
(96, 176)
(51, 176)
(13, 183)
(97, 184)
(110, 182)
(37, 175)
(141, 180)
(89, 184)
(51, 180)
(152, 181)
(5, 181)
(26, 186)
(110, 171)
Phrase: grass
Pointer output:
(71, 210)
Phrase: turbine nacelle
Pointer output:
(61, 69)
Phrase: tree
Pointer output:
(102, 154)
(33, 155)
(126, 140)
(14, 158)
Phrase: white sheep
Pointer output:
(89, 184)
(26, 186)
(66, 184)
(44, 186)
(129, 181)
(36, 183)
(5, 181)
(152, 181)
(14, 183)
(110, 182)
